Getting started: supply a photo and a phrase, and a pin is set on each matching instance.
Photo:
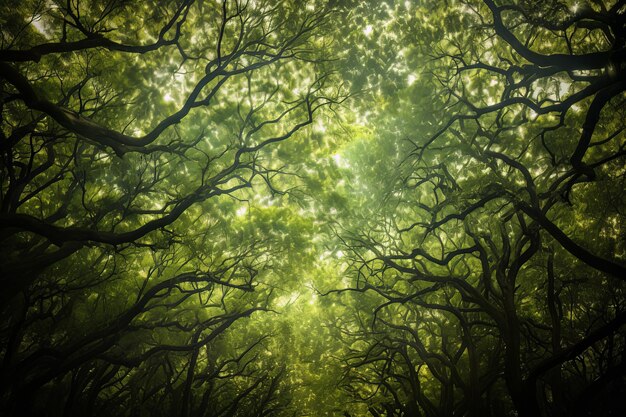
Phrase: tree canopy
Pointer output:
(313, 208)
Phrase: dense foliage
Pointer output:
(350, 208)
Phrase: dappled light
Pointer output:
(359, 208)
